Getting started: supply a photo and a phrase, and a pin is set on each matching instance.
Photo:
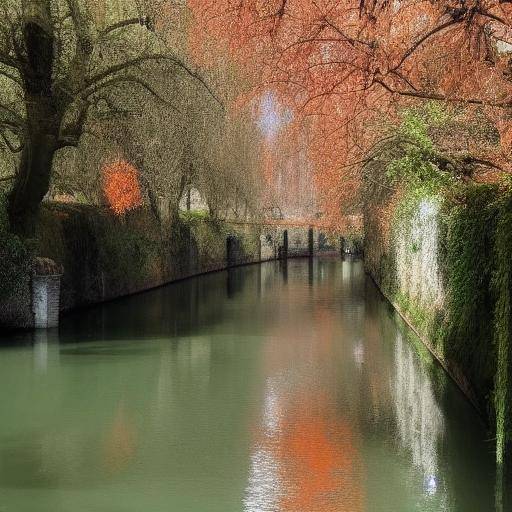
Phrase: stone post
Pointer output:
(46, 293)
(311, 242)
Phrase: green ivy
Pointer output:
(469, 224)
(473, 331)
(502, 287)
(416, 166)
(14, 257)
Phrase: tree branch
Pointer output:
(351, 40)
(10, 145)
(422, 39)
(138, 81)
(119, 25)
(442, 97)
(96, 80)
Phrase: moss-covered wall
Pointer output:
(443, 256)
(105, 256)
(15, 262)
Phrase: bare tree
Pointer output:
(61, 66)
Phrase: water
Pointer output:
(264, 389)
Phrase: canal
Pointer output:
(267, 388)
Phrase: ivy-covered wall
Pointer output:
(105, 256)
(15, 262)
(443, 257)
(438, 242)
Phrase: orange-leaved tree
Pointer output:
(121, 186)
(348, 66)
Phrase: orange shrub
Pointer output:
(121, 186)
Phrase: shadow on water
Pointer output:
(286, 386)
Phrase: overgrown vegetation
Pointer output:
(469, 229)
(418, 163)
(502, 287)
(14, 256)
(470, 329)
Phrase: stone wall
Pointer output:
(444, 260)
(104, 256)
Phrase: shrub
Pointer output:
(14, 256)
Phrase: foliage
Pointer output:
(502, 287)
(417, 164)
(130, 256)
(208, 235)
(346, 70)
(15, 257)
(468, 261)
(191, 216)
(471, 330)
(121, 186)
(105, 73)
(478, 266)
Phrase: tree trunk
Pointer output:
(33, 178)
(43, 120)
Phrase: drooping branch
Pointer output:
(95, 82)
(441, 97)
(453, 162)
(132, 79)
(436, 30)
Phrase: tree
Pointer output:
(121, 186)
(195, 145)
(349, 67)
(61, 66)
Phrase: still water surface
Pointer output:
(262, 389)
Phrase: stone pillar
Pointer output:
(46, 294)
(283, 249)
(311, 242)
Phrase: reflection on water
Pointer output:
(419, 418)
(286, 388)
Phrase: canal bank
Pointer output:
(442, 255)
(87, 255)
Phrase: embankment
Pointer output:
(103, 256)
(443, 257)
